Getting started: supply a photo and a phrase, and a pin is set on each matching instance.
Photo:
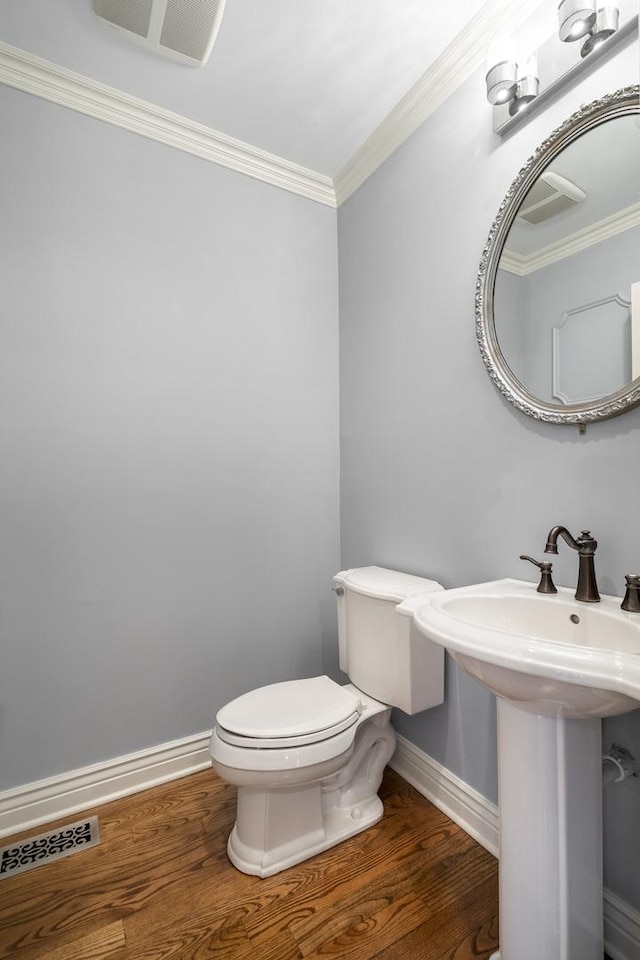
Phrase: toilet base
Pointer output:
(277, 827)
(340, 826)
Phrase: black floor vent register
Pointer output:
(35, 851)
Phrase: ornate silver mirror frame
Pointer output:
(620, 103)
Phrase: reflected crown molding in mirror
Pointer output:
(502, 344)
(595, 233)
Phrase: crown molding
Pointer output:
(460, 59)
(31, 74)
(523, 264)
(512, 262)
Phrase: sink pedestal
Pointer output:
(550, 798)
(557, 666)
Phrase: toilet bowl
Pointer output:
(307, 756)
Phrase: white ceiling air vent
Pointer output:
(184, 30)
(551, 194)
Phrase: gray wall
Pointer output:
(440, 475)
(169, 437)
(511, 318)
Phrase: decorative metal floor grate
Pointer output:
(46, 847)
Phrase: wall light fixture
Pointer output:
(509, 82)
(578, 19)
(514, 82)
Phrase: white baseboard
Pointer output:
(621, 928)
(479, 818)
(45, 800)
(464, 805)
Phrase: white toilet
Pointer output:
(307, 756)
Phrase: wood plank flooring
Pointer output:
(159, 886)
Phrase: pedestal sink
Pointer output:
(557, 666)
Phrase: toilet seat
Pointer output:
(288, 714)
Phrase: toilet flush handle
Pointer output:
(339, 591)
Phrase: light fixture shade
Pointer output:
(575, 19)
(502, 82)
(606, 24)
(527, 90)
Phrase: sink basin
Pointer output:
(547, 653)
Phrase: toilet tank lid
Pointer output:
(385, 584)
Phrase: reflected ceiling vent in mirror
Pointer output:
(184, 30)
(550, 195)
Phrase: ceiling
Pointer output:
(308, 82)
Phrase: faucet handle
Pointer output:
(586, 540)
(546, 584)
(631, 601)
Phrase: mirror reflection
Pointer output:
(567, 289)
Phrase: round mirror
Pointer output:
(558, 292)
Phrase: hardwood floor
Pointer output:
(159, 887)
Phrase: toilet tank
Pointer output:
(381, 650)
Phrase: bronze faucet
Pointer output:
(587, 589)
